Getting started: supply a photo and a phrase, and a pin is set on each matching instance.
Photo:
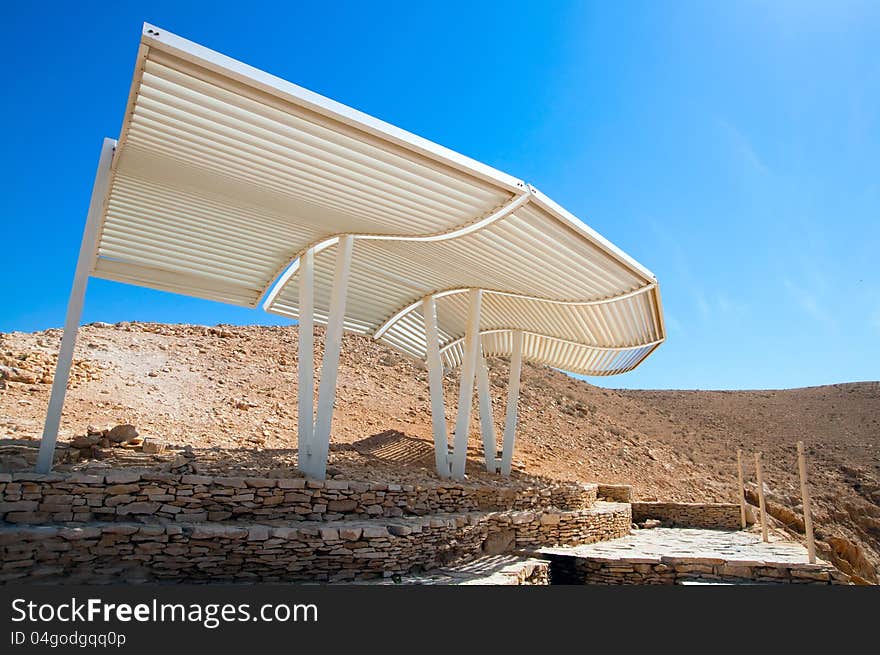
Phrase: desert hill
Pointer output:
(230, 393)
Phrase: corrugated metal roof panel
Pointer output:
(224, 175)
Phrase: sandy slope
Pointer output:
(233, 390)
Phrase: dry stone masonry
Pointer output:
(676, 555)
(718, 516)
(311, 550)
(140, 525)
(675, 570)
(132, 495)
(619, 493)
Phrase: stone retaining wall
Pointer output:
(618, 493)
(132, 495)
(345, 550)
(674, 570)
(719, 516)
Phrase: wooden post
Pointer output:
(805, 494)
(760, 474)
(742, 492)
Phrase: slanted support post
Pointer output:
(84, 263)
(512, 404)
(466, 386)
(306, 362)
(320, 444)
(487, 421)
(742, 491)
(805, 495)
(760, 474)
(435, 382)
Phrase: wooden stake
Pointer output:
(805, 495)
(760, 474)
(742, 492)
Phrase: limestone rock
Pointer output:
(122, 433)
(86, 441)
(13, 374)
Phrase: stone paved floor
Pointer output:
(693, 543)
(488, 570)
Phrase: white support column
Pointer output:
(330, 366)
(487, 421)
(306, 363)
(512, 404)
(466, 387)
(435, 382)
(74, 307)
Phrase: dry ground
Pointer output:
(230, 392)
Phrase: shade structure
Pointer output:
(225, 180)
(224, 175)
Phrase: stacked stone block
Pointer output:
(310, 550)
(127, 494)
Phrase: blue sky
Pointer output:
(733, 148)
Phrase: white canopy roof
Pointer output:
(224, 175)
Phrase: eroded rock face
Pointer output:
(790, 518)
(14, 374)
(847, 555)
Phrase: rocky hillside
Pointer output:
(230, 394)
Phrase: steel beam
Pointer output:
(487, 420)
(510, 418)
(330, 365)
(466, 385)
(84, 265)
(435, 382)
(306, 362)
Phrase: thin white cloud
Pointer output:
(679, 259)
(743, 147)
(809, 303)
(708, 305)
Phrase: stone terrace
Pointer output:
(674, 555)
(132, 494)
(143, 525)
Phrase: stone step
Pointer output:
(284, 551)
